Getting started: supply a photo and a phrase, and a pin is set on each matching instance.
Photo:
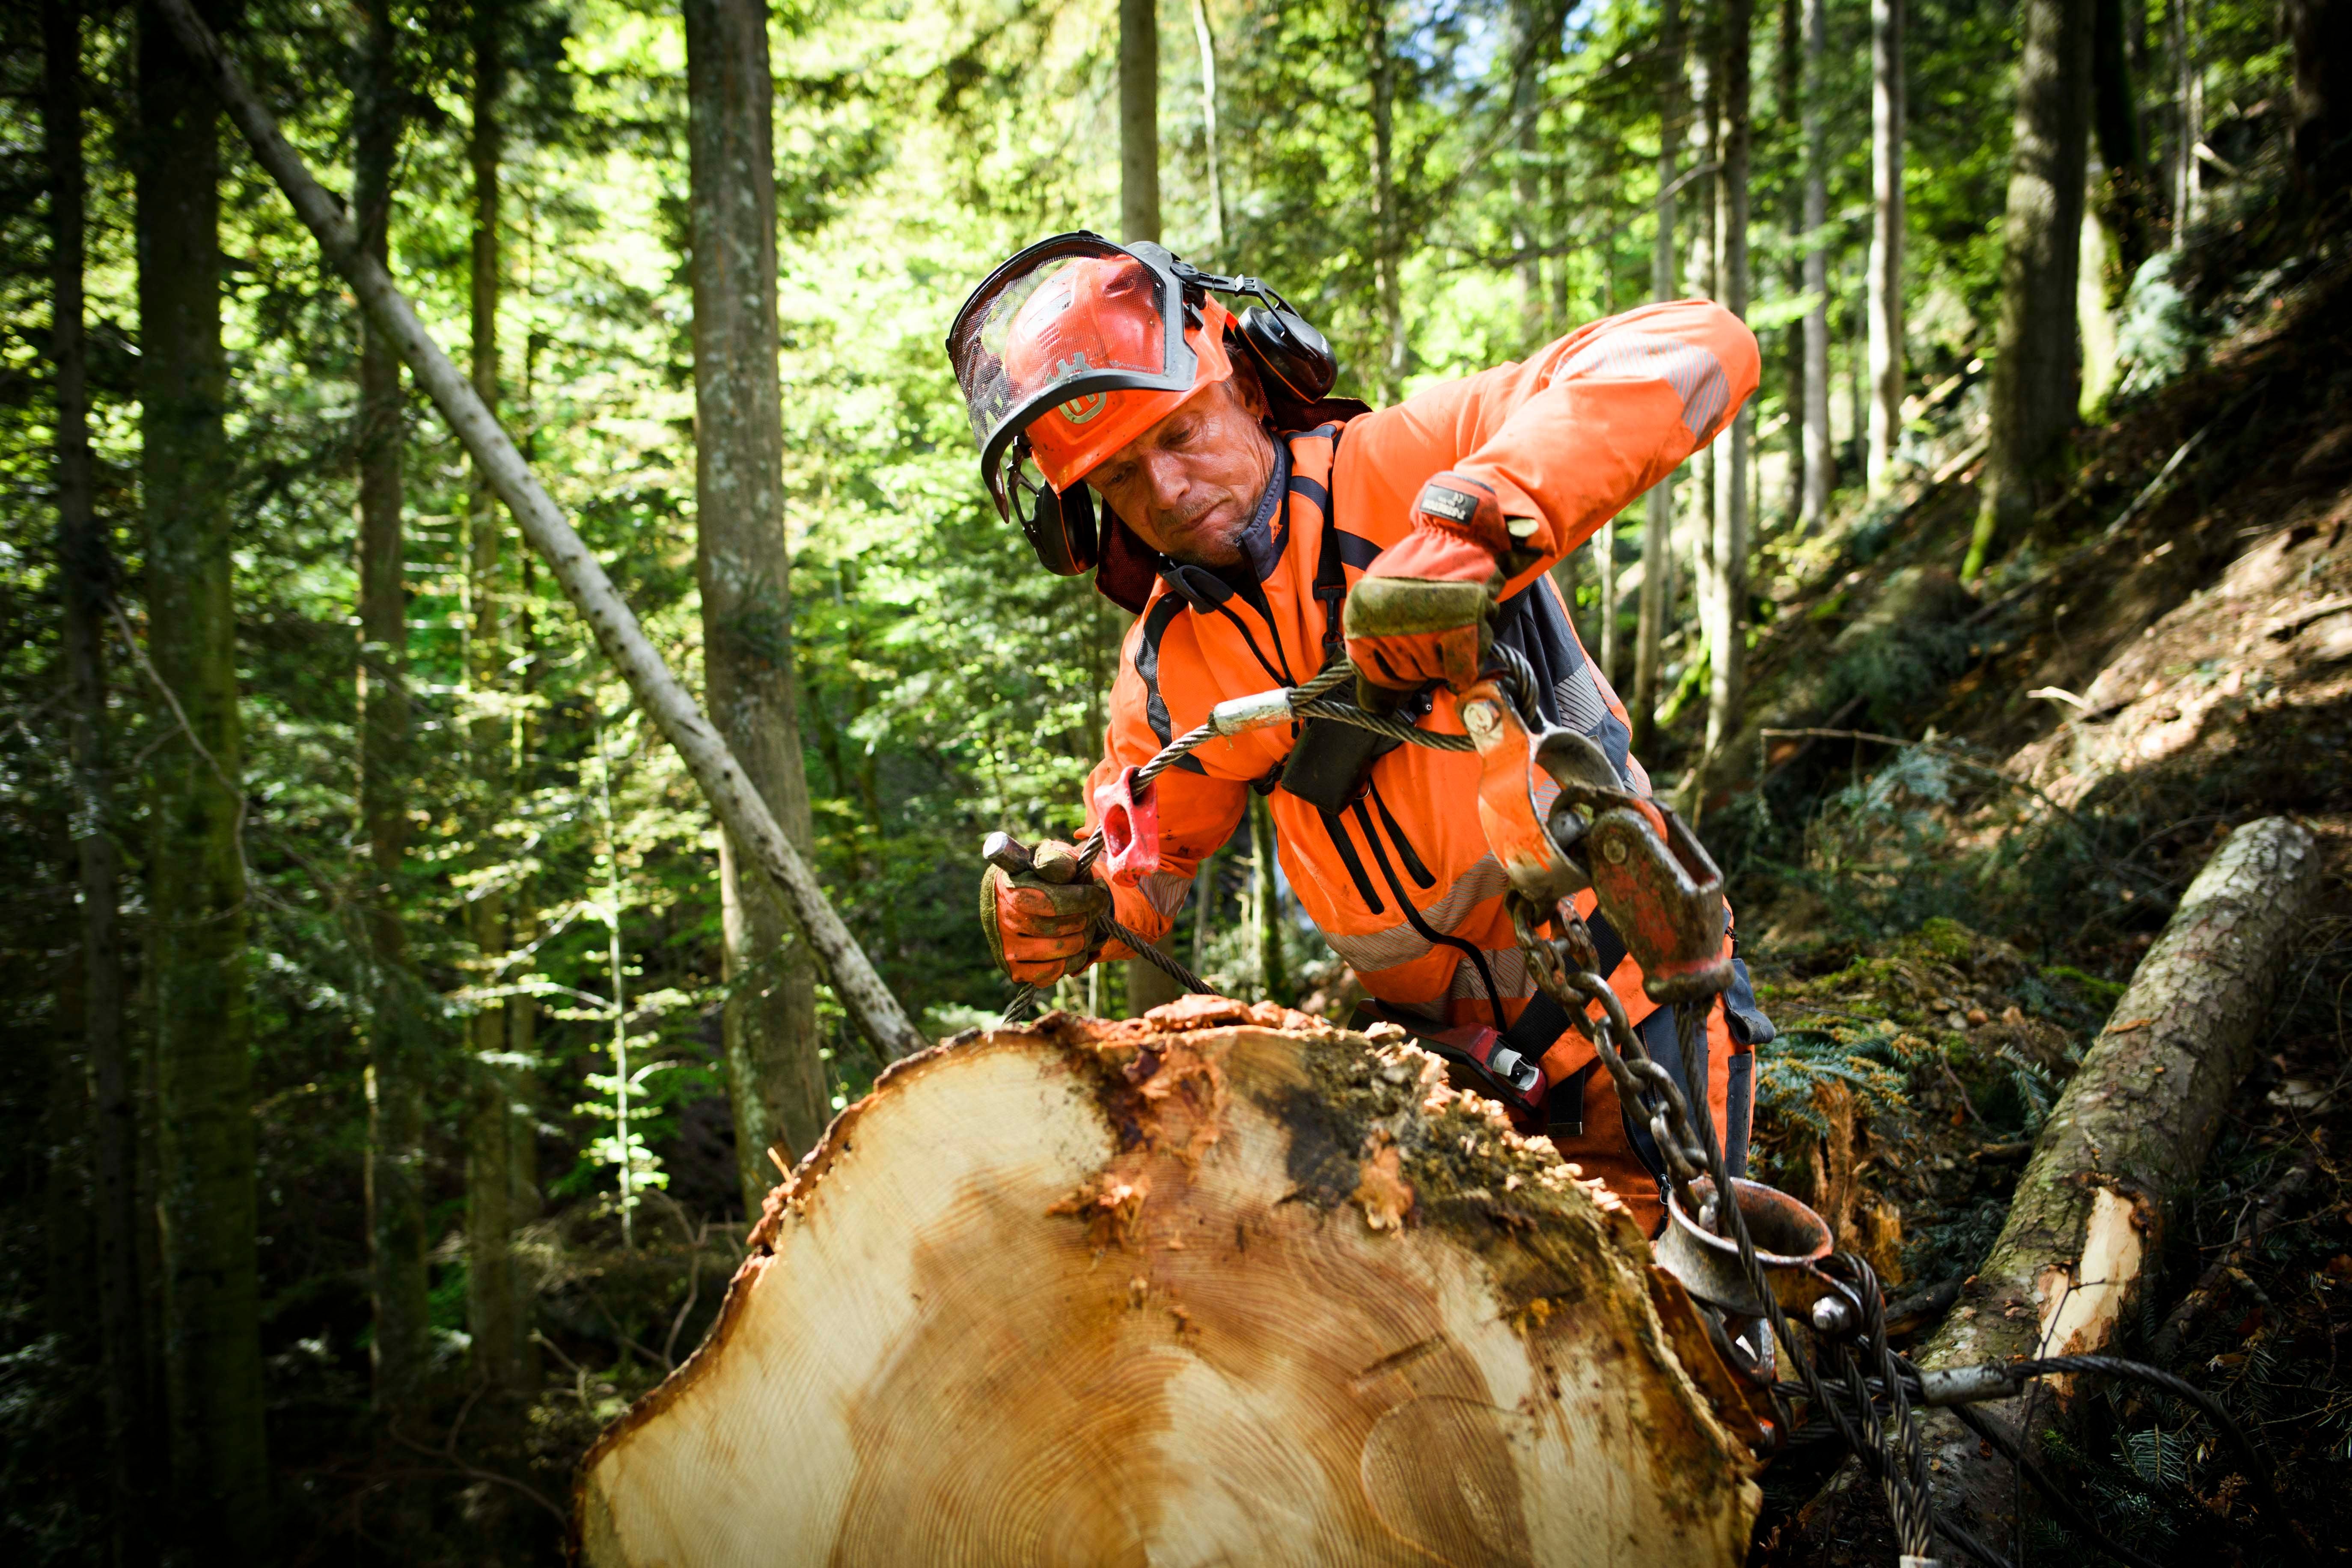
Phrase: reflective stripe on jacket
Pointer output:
(1401, 883)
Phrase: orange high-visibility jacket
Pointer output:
(1401, 883)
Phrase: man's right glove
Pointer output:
(1040, 923)
(1420, 613)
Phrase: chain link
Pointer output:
(1565, 970)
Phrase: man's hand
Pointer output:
(1040, 924)
(1421, 612)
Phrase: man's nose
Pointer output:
(1167, 480)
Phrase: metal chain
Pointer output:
(1896, 1457)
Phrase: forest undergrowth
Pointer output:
(1946, 914)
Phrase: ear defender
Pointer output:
(1062, 529)
(1286, 346)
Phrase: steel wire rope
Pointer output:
(1311, 699)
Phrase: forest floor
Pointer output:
(1944, 927)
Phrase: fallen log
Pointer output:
(2122, 1147)
(1221, 1284)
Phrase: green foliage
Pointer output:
(1871, 1059)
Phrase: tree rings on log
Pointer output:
(1220, 1286)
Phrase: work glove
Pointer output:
(1423, 612)
(1040, 924)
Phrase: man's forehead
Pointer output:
(1205, 400)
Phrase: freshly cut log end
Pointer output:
(1224, 1285)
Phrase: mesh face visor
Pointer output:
(1055, 331)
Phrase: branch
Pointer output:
(725, 785)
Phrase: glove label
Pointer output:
(1454, 506)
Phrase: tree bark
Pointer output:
(2321, 32)
(2187, 125)
(2122, 144)
(776, 1080)
(1388, 226)
(86, 575)
(1790, 63)
(2123, 1146)
(196, 877)
(498, 1119)
(1658, 530)
(1138, 119)
(1605, 572)
(1886, 132)
(1819, 460)
(1174, 1291)
(1206, 43)
(1726, 635)
(1265, 888)
(617, 631)
(1700, 510)
(401, 1354)
(2034, 360)
(1526, 42)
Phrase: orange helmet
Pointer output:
(1077, 346)
(1101, 313)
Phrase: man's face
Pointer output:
(1188, 485)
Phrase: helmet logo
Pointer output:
(1078, 410)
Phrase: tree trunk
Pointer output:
(1204, 906)
(1206, 42)
(1266, 887)
(497, 1119)
(1726, 634)
(2124, 1145)
(1821, 460)
(2034, 360)
(2124, 195)
(775, 1078)
(1701, 512)
(617, 627)
(401, 1354)
(1886, 130)
(2187, 125)
(86, 574)
(197, 872)
(1604, 572)
(1172, 1292)
(1790, 42)
(1388, 227)
(1658, 530)
(1526, 42)
(2321, 31)
(1138, 119)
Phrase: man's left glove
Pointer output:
(1040, 924)
(1421, 612)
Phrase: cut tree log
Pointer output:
(1218, 1285)
(737, 805)
(2123, 1146)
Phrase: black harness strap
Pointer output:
(1331, 587)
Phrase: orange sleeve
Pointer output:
(1568, 438)
(1197, 812)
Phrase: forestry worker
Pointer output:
(1193, 460)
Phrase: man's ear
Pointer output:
(1248, 389)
